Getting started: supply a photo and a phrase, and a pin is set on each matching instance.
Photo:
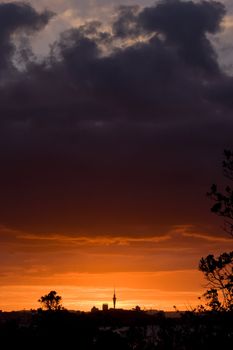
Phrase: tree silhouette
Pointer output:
(224, 201)
(51, 301)
(219, 271)
(219, 274)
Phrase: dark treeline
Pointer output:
(116, 330)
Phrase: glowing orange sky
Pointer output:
(151, 271)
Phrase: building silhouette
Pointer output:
(105, 307)
(114, 299)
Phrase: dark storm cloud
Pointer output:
(15, 18)
(222, 92)
(114, 128)
(126, 23)
(186, 25)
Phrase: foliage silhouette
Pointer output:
(218, 271)
(116, 330)
(51, 301)
(224, 201)
(219, 274)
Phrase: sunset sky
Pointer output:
(113, 122)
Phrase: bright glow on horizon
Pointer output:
(152, 271)
(15, 298)
(132, 289)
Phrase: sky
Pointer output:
(113, 122)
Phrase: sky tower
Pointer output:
(114, 299)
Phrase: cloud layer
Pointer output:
(116, 126)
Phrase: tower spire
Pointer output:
(114, 299)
